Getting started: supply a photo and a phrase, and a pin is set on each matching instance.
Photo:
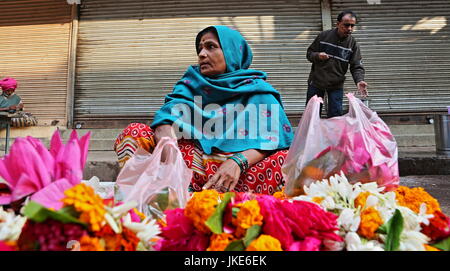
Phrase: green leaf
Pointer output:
(234, 211)
(39, 213)
(236, 246)
(252, 233)
(215, 221)
(382, 229)
(394, 230)
(443, 245)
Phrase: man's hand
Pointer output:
(323, 56)
(362, 88)
(226, 177)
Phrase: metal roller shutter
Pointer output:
(406, 53)
(34, 48)
(131, 53)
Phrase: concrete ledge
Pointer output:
(432, 165)
(108, 169)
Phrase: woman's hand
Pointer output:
(226, 177)
(161, 131)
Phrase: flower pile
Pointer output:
(86, 222)
(408, 219)
(10, 229)
(240, 221)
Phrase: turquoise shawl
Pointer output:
(231, 112)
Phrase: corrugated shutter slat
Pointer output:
(131, 53)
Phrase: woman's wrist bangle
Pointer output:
(238, 162)
(241, 160)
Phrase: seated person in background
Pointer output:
(245, 156)
(11, 102)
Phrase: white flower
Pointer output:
(412, 241)
(10, 225)
(354, 243)
(349, 220)
(146, 230)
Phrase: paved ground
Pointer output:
(437, 185)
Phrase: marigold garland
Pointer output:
(265, 243)
(280, 194)
(200, 207)
(248, 215)
(412, 198)
(361, 199)
(370, 222)
(220, 241)
(84, 199)
(88, 243)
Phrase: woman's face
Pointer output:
(210, 56)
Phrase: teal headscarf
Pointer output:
(209, 109)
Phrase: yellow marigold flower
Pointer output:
(220, 241)
(414, 197)
(361, 199)
(370, 222)
(83, 198)
(280, 194)
(430, 248)
(317, 200)
(265, 243)
(200, 207)
(248, 215)
(90, 244)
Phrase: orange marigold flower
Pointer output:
(248, 215)
(265, 243)
(361, 199)
(88, 243)
(430, 248)
(84, 199)
(414, 197)
(370, 222)
(129, 240)
(280, 194)
(220, 241)
(317, 200)
(200, 207)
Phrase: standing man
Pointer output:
(331, 53)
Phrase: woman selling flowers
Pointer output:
(233, 131)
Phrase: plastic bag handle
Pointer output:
(174, 152)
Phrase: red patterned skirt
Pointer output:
(263, 177)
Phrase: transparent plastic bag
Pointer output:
(358, 143)
(154, 184)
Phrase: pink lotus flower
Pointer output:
(31, 169)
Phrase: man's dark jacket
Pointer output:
(330, 74)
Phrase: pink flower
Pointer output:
(5, 247)
(30, 168)
(180, 234)
(309, 244)
(274, 223)
(299, 225)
